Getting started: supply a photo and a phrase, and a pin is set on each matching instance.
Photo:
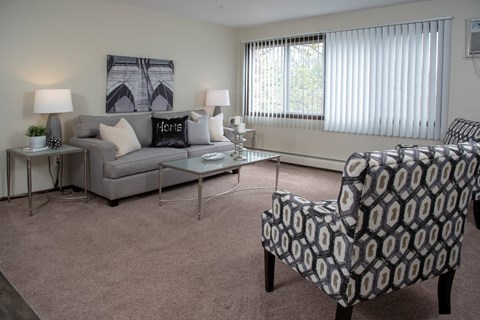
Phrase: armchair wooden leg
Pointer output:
(445, 282)
(476, 212)
(269, 270)
(343, 313)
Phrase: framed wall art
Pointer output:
(139, 84)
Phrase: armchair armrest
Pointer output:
(311, 238)
(296, 216)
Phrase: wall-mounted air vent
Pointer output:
(473, 38)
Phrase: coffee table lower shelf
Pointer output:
(202, 168)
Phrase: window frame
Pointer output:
(282, 42)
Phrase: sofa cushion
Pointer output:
(198, 150)
(143, 160)
(169, 132)
(121, 135)
(87, 126)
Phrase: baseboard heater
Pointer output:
(309, 161)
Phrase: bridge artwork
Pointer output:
(139, 84)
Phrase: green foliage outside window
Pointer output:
(286, 78)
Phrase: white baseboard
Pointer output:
(309, 161)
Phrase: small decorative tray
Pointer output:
(213, 156)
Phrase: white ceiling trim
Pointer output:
(245, 13)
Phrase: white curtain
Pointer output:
(389, 80)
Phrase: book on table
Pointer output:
(28, 149)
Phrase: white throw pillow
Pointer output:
(215, 126)
(195, 116)
(122, 136)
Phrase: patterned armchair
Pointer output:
(398, 220)
(462, 130)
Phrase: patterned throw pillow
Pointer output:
(169, 132)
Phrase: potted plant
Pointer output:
(37, 136)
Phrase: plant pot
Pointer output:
(37, 142)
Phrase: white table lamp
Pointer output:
(53, 102)
(217, 99)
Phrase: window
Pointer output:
(389, 80)
(284, 79)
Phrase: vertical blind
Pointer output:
(283, 82)
(389, 80)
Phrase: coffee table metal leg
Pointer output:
(276, 174)
(199, 203)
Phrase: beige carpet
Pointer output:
(73, 260)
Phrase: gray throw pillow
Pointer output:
(198, 131)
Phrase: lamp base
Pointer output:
(216, 111)
(54, 127)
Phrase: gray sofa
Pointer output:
(136, 172)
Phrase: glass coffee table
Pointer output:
(202, 167)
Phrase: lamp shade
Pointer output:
(53, 101)
(217, 98)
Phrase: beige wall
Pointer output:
(464, 83)
(64, 44)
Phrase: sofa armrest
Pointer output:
(101, 149)
(99, 152)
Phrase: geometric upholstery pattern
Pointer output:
(399, 219)
(462, 130)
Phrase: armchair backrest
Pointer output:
(462, 130)
(405, 212)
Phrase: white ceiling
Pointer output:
(244, 13)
